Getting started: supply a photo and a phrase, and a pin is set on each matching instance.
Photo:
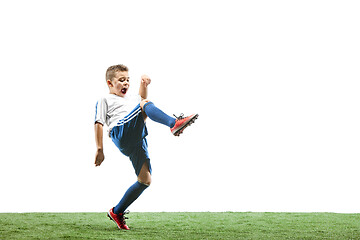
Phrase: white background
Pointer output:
(276, 85)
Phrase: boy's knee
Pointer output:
(143, 103)
(146, 182)
(144, 176)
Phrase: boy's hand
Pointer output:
(145, 80)
(99, 157)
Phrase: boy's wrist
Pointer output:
(144, 84)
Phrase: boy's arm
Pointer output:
(99, 156)
(145, 81)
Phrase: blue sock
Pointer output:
(157, 115)
(129, 197)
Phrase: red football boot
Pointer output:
(119, 219)
(182, 123)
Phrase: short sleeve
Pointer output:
(101, 111)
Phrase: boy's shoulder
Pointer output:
(108, 96)
(114, 98)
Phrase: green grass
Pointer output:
(227, 225)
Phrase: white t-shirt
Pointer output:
(112, 108)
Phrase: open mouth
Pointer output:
(124, 90)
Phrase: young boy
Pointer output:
(125, 116)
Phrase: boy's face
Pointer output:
(119, 84)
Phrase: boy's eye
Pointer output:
(124, 79)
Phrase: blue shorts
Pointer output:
(129, 136)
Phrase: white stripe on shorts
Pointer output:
(126, 119)
(129, 118)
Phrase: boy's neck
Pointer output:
(114, 94)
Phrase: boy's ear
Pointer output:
(109, 83)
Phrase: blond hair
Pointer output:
(110, 72)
